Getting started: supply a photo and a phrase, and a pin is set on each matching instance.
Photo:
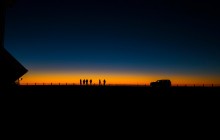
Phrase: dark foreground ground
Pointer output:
(117, 91)
(110, 98)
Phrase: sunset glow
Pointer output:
(112, 78)
(121, 41)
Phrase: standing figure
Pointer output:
(104, 82)
(84, 82)
(90, 81)
(80, 82)
(87, 81)
(100, 82)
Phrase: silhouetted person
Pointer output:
(90, 81)
(80, 82)
(104, 82)
(87, 81)
(84, 81)
(100, 82)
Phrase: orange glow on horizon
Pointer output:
(113, 78)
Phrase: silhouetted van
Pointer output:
(161, 83)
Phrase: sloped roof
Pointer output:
(10, 68)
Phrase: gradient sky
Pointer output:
(123, 41)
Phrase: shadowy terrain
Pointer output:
(115, 91)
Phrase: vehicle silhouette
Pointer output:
(161, 83)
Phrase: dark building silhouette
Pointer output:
(2, 23)
(10, 69)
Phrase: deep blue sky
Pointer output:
(140, 36)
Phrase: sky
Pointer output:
(122, 41)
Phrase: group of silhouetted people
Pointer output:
(87, 82)
(100, 82)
